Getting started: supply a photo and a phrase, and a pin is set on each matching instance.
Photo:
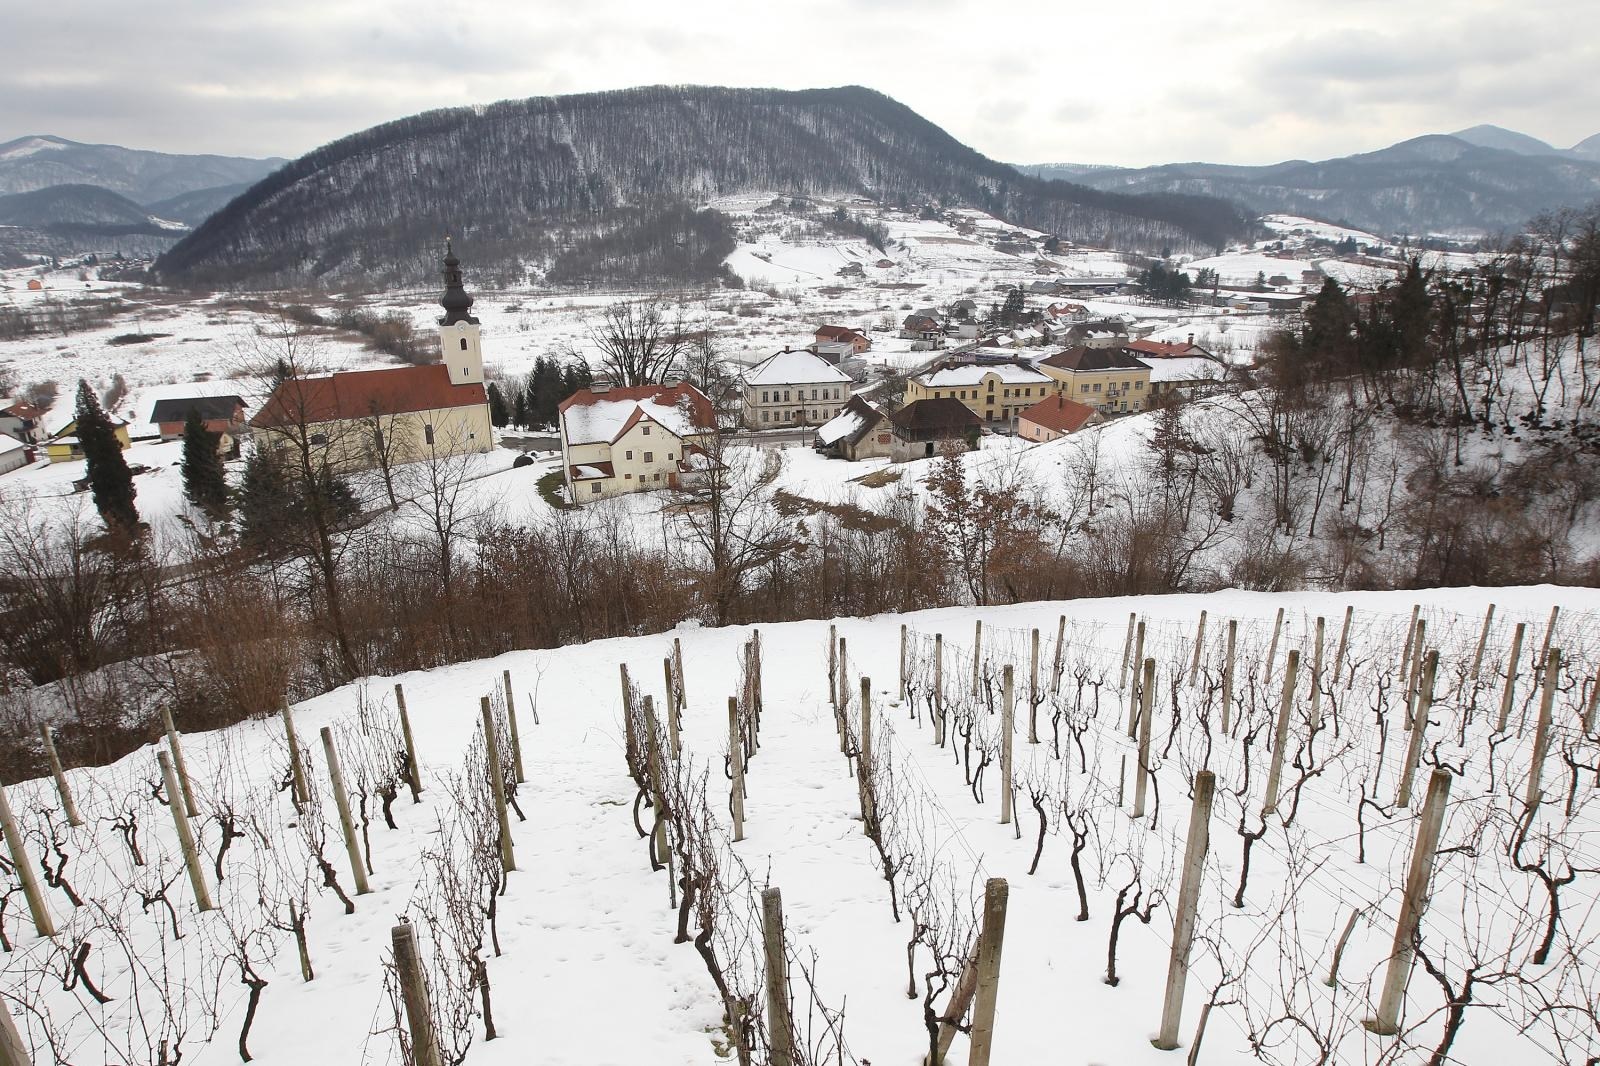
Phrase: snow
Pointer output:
(1184, 368)
(1241, 267)
(1298, 226)
(798, 367)
(840, 426)
(31, 146)
(10, 444)
(974, 373)
(603, 419)
(590, 973)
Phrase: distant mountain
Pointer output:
(1588, 148)
(42, 161)
(1429, 184)
(610, 179)
(1486, 136)
(77, 219)
(193, 208)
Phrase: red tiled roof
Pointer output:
(671, 396)
(1059, 414)
(361, 393)
(601, 470)
(1092, 359)
(838, 333)
(24, 410)
(1162, 349)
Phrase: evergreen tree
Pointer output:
(519, 406)
(110, 480)
(264, 502)
(1011, 311)
(498, 415)
(204, 483)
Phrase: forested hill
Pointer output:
(523, 181)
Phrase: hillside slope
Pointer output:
(524, 179)
(1433, 183)
(38, 162)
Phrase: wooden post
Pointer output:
(1549, 631)
(1512, 664)
(1227, 672)
(977, 655)
(1055, 666)
(1127, 652)
(1483, 642)
(677, 669)
(1141, 780)
(736, 767)
(1431, 824)
(990, 943)
(1593, 704)
(347, 823)
(62, 788)
(627, 707)
(414, 994)
(759, 705)
(672, 709)
(1430, 669)
(43, 923)
(1332, 980)
(497, 783)
(177, 760)
(1199, 643)
(1414, 671)
(1405, 653)
(1316, 676)
(13, 1052)
(191, 854)
(1344, 642)
(1541, 735)
(864, 773)
(844, 677)
(1008, 712)
(1280, 738)
(1033, 692)
(511, 728)
(413, 769)
(1194, 860)
(833, 666)
(904, 637)
(1272, 648)
(658, 792)
(938, 688)
(1133, 697)
(780, 1028)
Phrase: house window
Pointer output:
(763, 396)
(788, 416)
(1086, 386)
(595, 487)
(655, 477)
(1138, 385)
(669, 457)
(813, 394)
(627, 477)
(1097, 386)
(427, 434)
(763, 416)
(319, 438)
(628, 454)
(649, 457)
(785, 395)
(463, 344)
(991, 384)
(644, 430)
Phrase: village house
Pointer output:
(1110, 379)
(367, 418)
(220, 414)
(833, 352)
(64, 446)
(922, 429)
(994, 392)
(923, 328)
(22, 421)
(14, 454)
(857, 340)
(793, 388)
(1054, 417)
(860, 431)
(1148, 349)
(618, 440)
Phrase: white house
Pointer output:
(618, 440)
(793, 388)
(13, 454)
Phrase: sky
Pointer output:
(1127, 82)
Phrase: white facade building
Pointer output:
(793, 388)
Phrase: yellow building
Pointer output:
(1109, 379)
(995, 392)
(65, 447)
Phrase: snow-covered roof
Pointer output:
(1186, 368)
(10, 444)
(840, 426)
(592, 418)
(960, 376)
(794, 368)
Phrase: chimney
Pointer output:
(1191, 340)
(600, 387)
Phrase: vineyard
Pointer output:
(1300, 828)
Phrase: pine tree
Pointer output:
(519, 406)
(204, 483)
(264, 502)
(498, 415)
(110, 480)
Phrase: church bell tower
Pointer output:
(460, 346)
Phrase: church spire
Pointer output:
(456, 302)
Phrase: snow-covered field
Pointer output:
(589, 971)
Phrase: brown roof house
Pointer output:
(860, 431)
(857, 340)
(1056, 417)
(369, 418)
(618, 440)
(221, 414)
(923, 427)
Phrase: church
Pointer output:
(363, 419)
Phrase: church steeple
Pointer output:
(457, 303)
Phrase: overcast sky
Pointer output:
(1119, 81)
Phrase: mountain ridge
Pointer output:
(38, 161)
